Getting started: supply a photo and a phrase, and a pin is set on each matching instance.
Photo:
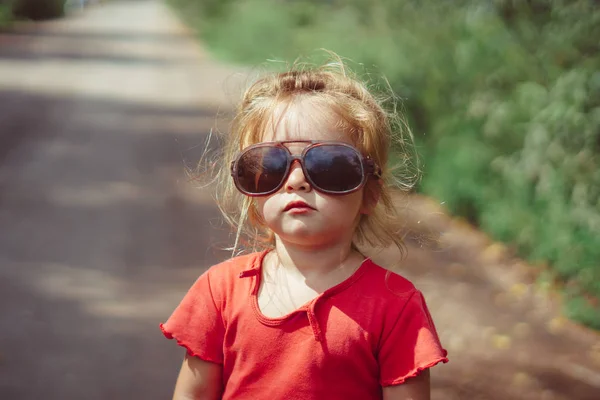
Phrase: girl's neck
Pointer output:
(310, 263)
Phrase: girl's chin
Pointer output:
(309, 238)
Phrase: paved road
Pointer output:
(101, 234)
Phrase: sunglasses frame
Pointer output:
(368, 165)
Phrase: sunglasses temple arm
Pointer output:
(373, 168)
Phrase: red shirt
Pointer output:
(369, 331)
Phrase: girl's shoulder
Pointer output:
(390, 290)
(230, 271)
(388, 284)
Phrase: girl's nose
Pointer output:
(296, 181)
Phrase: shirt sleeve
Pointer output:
(197, 322)
(410, 345)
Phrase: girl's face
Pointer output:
(298, 214)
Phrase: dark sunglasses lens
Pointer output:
(334, 168)
(261, 169)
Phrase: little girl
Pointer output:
(308, 316)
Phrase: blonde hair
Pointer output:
(362, 116)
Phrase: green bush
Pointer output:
(503, 97)
(6, 15)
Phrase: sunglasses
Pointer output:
(330, 167)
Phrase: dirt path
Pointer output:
(505, 337)
(101, 235)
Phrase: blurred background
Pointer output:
(105, 104)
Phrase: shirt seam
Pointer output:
(212, 298)
(413, 291)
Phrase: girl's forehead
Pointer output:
(304, 120)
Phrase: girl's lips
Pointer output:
(297, 205)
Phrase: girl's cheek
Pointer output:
(262, 206)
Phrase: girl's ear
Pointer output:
(371, 196)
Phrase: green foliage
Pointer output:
(503, 97)
(6, 15)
